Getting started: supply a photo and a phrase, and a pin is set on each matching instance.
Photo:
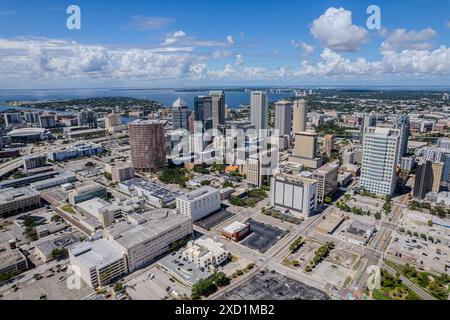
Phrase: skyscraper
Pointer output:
(259, 110)
(380, 158)
(305, 150)
(402, 123)
(305, 145)
(283, 117)
(300, 116)
(147, 142)
(369, 120)
(428, 178)
(328, 144)
(218, 108)
(180, 115)
(327, 180)
(203, 111)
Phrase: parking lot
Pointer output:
(214, 219)
(184, 270)
(273, 286)
(52, 286)
(158, 287)
(262, 236)
(421, 252)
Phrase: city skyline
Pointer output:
(168, 45)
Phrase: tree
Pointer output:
(108, 176)
(59, 254)
(56, 218)
(118, 287)
(328, 200)
(220, 279)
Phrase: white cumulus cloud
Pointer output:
(335, 30)
(402, 39)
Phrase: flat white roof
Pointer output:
(198, 193)
(235, 227)
(97, 253)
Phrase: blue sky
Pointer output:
(187, 43)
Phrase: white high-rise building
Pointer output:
(380, 158)
(199, 203)
(259, 110)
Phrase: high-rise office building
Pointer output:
(203, 111)
(305, 145)
(112, 120)
(87, 118)
(300, 112)
(428, 178)
(328, 144)
(423, 180)
(402, 123)
(369, 120)
(218, 108)
(439, 155)
(305, 150)
(283, 118)
(191, 122)
(180, 115)
(437, 169)
(380, 158)
(147, 140)
(327, 180)
(259, 110)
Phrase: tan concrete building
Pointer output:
(437, 169)
(112, 120)
(305, 150)
(260, 167)
(147, 141)
(299, 116)
(305, 145)
(327, 180)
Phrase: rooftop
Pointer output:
(26, 132)
(199, 193)
(9, 256)
(235, 227)
(97, 253)
(147, 226)
(145, 122)
(10, 194)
